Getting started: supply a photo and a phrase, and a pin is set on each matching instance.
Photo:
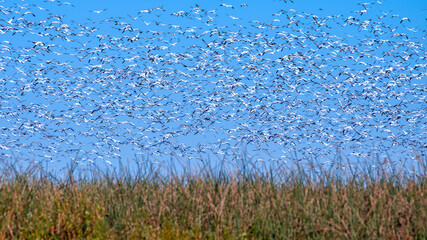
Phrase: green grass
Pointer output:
(280, 202)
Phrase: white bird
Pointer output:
(99, 11)
(404, 19)
(227, 6)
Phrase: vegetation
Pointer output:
(250, 201)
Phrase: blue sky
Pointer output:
(131, 98)
(415, 9)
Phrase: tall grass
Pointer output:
(247, 201)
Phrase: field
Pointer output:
(247, 201)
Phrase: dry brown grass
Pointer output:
(275, 203)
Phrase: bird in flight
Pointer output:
(99, 11)
(404, 19)
(227, 6)
(297, 79)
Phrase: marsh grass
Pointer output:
(244, 201)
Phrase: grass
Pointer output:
(244, 202)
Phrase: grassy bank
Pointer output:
(229, 203)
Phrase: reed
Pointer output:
(247, 201)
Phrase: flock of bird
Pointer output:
(201, 81)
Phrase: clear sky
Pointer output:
(107, 80)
